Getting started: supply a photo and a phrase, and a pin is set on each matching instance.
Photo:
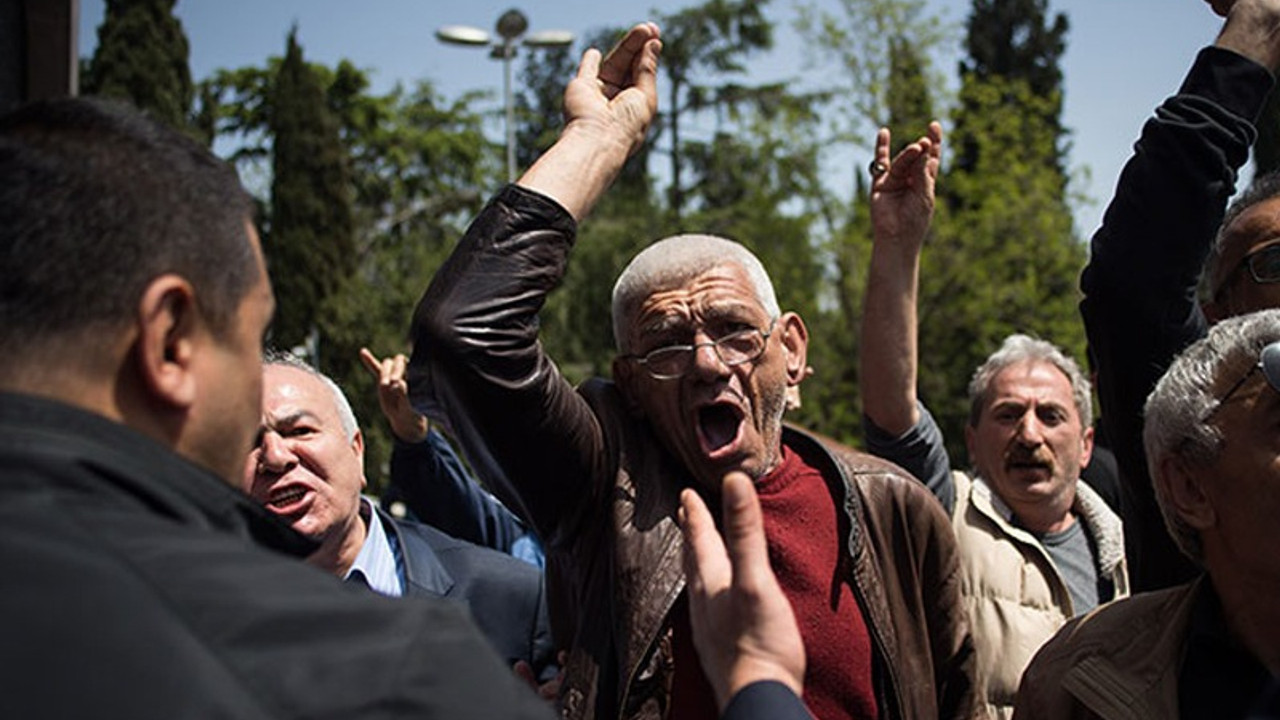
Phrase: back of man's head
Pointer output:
(97, 201)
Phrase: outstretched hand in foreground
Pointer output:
(743, 626)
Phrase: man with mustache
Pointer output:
(698, 392)
(1037, 546)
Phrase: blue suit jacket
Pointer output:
(506, 596)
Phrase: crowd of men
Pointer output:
(185, 529)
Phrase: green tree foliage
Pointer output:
(701, 44)
(908, 101)
(539, 104)
(1014, 40)
(879, 53)
(419, 167)
(142, 57)
(309, 242)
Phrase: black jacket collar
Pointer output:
(131, 467)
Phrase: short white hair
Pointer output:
(346, 417)
(674, 261)
(1177, 414)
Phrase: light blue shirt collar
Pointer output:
(377, 561)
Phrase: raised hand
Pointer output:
(608, 108)
(902, 194)
(1221, 7)
(743, 626)
(1252, 29)
(393, 396)
(616, 99)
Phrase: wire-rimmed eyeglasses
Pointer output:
(736, 348)
(1268, 363)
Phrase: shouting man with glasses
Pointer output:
(1208, 648)
(863, 553)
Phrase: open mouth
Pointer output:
(285, 497)
(719, 427)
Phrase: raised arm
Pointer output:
(477, 363)
(429, 477)
(1250, 29)
(902, 201)
(1140, 304)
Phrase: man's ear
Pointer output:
(357, 447)
(1086, 446)
(1183, 487)
(626, 377)
(169, 328)
(795, 340)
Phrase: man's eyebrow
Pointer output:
(663, 323)
(727, 309)
(291, 419)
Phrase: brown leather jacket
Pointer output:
(1118, 662)
(603, 493)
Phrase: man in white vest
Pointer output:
(1037, 546)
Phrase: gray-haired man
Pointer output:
(1206, 648)
(1036, 545)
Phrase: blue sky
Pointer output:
(1123, 57)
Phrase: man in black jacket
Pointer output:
(1140, 304)
(139, 582)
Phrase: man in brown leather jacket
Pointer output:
(864, 554)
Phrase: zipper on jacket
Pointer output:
(649, 647)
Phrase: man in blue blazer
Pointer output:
(307, 468)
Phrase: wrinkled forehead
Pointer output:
(721, 293)
(1031, 380)
(287, 390)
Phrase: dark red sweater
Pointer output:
(805, 528)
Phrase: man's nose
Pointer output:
(275, 455)
(1030, 431)
(706, 359)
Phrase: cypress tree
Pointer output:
(1013, 42)
(142, 57)
(309, 244)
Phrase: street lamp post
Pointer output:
(510, 27)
